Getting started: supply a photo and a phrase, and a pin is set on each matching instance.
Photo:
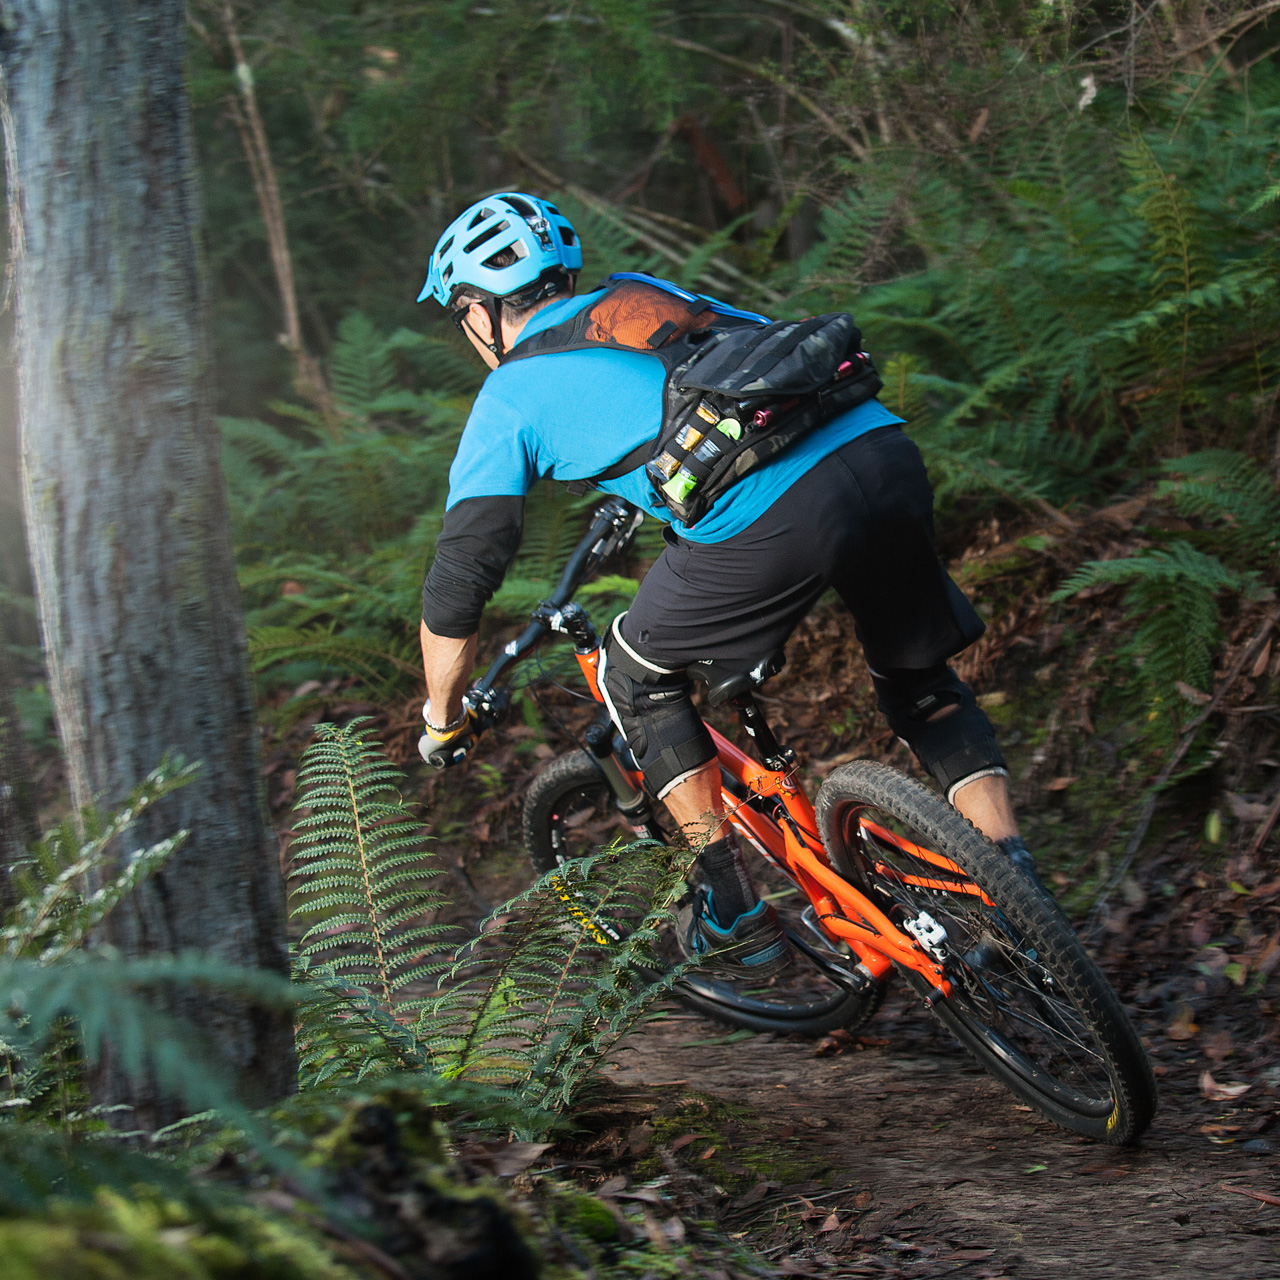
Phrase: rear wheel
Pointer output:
(1026, 999)
(570, 812)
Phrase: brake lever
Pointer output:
(488, 706)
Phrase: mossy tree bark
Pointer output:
(125, 507)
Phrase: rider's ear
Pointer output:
(479, 320)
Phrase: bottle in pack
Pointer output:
(681, 485)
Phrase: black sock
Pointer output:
(731, 888)
(1015, 849)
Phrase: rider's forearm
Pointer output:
(448, 664)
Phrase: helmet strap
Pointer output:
(493, 308)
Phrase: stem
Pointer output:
(383, 979)
(308, 379)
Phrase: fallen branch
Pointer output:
(1265, 1196)
(1184, 745)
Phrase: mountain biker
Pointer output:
(847, 506)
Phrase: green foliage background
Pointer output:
(1065, 290)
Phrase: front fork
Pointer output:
(631, 800)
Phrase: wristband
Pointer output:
(442, 733)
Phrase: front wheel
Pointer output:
(1026, 1000)
(569, 812)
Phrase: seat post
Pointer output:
(772, 752)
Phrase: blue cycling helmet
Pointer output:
(503, 245)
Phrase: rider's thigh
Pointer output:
(860, 520)
(739, 599)
(907, 610)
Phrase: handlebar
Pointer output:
(612, 529)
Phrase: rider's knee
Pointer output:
(652, 707)
(935, 713)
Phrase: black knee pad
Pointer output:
(957, 748)
(652, 707)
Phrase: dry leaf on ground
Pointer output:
(1216, 1092)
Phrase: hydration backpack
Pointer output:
(739, 388)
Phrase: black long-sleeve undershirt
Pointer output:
(477, 543)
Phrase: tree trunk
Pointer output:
(18, 823)
(126, 513)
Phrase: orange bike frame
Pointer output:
(794, 846)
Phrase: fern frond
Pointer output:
(1172, 601)
(360, 866)
(113, 1002)
(1233, 492)
(360, 366)
(538, 1000)
(1172, 223)
(54, 915)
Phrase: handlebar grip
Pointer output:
(448, 753)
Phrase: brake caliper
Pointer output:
(928, 933)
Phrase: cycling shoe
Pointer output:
(754, 946)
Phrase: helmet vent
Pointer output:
(444, 248)
(446, 273)
(522, 207)
(552, 209)
(487, 234)
(507, 257)
(478, 219)
(567, 237)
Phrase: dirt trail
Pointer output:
(942, 1173)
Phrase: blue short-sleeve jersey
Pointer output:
(569, 415)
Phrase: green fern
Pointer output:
(559, 975)
(1171, 219)
(54, 914)
(1171, 599)
(370, 661)
(360, 366)
(1236, 496)
(361, 877)
(533, 1005)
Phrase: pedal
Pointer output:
(857, 975)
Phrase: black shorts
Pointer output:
(860, 521)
